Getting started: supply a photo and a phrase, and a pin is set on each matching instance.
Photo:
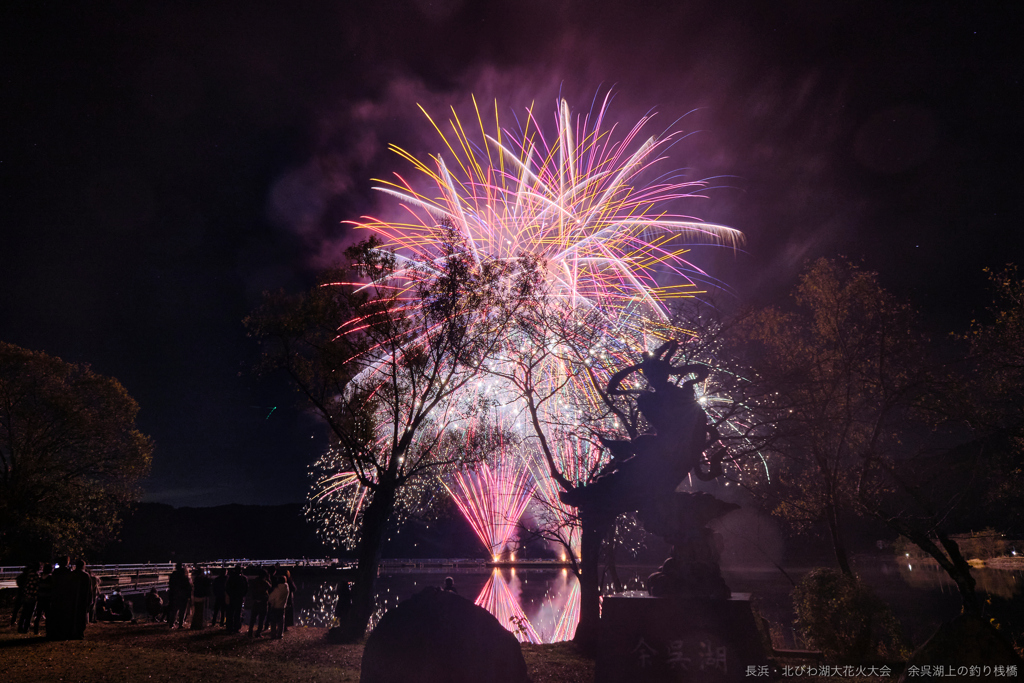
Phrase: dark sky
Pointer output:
(161, 164)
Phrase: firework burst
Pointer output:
(493, 499)
(589, 210)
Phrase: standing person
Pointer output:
(200, 592)
(220, 582)
(43, 596)
(276, 603)
(235, 591)
(19, 598)
(259, 593)
(449, 585)
(289, 609)
(167, 607)
(344, 603)
(58, 617)
(96, 596)
(31, 588)
(179, 592)
(83, 598)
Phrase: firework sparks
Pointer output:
(568, 615)
(589, 208)
(493, 499)
(498, 598)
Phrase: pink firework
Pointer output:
(569, 615)
(498, 598)
(493, 499)
(591, 206)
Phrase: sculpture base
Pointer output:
(677, 639)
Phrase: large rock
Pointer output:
(441, 637)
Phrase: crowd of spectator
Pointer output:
(65, 600)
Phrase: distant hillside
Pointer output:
(155, 532)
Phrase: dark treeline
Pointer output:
(156, 532)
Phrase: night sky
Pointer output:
(162, 164)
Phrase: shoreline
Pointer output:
(1007, 562)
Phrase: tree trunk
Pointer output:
(960, 572)
(952, 561)
(594, 529)
(375, 525)
(832, 517)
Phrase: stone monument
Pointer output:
(689, 626)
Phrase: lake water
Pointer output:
(542, 605)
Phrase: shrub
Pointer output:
(844, 619)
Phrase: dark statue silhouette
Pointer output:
(645, 471)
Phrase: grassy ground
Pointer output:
(151, 653)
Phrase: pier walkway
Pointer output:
(139, 578)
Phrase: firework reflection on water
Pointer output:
(544, 602)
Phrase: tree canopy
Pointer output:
(843, 370)
(385, 352)
(870, 417)
(71, 456)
